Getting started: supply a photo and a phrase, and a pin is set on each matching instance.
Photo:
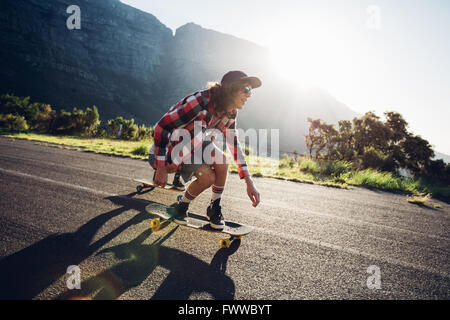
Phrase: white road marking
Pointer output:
(263, 230)
(69, 185)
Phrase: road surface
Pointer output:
(62, 208)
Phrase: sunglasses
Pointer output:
(247, 89)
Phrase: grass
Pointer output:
(339, 174)
(141, 150)
(420, 200)
(133, 149)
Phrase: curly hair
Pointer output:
(222, 96)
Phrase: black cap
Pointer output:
(237, 77)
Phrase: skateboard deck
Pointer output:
(147, 183)
(195, 221)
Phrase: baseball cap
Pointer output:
(237, 77)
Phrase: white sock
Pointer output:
(216, 193)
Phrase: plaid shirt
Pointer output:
(197, 107)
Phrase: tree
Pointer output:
(418, 153)
(397, 127)
(369, 131)
(345, 141)
(438, 170)
(314, 140)
(330, 136)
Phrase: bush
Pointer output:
(286, 162)
(372, 158)
(336, 168)
(77, 122)
(43, 121)
(20, 106)
(144, 133)
(142, 150)
(438, 170)
(13, 122)
(373, 178)
(129, 129)
(308, 165)
(102, 132)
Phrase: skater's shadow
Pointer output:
(188, 274)
(26, 273)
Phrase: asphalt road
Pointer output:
(61, 207)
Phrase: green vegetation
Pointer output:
(364, 152)
(420, 200)
(19, 114)
(108, 146)
(141, 150)
(376, 150)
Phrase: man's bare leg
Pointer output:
(205, 177)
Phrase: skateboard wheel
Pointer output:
(139, 189)
(224, 243)
(155, 224)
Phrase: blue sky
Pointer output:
(395, 58)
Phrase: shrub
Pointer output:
(129, 129)
(372, 158)
(308, 165)
(144, 133)
(336, 168)
(286, 162)
(102, 132)
(78, 122)
(438, 170)
(13, 122)
(142, 150)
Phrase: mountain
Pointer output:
(113, 61)
(126, 62)
(443, 156)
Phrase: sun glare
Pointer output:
(311, 57)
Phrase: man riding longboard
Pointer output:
(214, 111)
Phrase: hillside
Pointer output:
(126, 62)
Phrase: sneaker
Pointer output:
(181, 209)
(177, 182)
(215, 217)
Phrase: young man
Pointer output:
(212, 109)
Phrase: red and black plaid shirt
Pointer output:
(197, 107)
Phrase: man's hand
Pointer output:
(161, 177)
(253, 194)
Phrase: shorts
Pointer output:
(187, 170)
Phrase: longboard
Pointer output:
(146, 183)
(195, 221)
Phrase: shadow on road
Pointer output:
(188, 274)
(28, 272)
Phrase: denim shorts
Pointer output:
(187, 170)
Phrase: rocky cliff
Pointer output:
(114, 60)
(128, 63)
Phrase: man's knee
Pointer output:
(221, 168)
(206, 176)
